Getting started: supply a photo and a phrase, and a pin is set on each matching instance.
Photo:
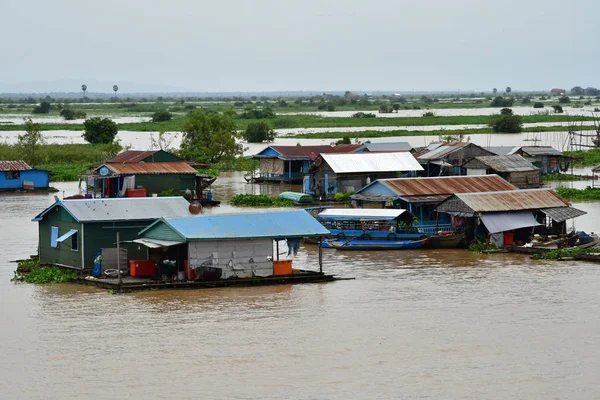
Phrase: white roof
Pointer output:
(372, 162)
(361, 213)
(126, 208)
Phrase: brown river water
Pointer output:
(413, 325)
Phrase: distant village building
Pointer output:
(513, 168)
(17, 174)
(71, 232)
(421, 196)
(343, 173)
(446, 159)
(557, 92)
(547, 158)
(291, 163)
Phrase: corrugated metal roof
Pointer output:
(278, 224)
(311, 152)
(14, 165)
(539, 150)
(176, 167)
(127, 208)
(502, 150)
(508, 163)
(439, 150)
(561, 214)
(360, 213)
(388, 146)
(445, 185)
(132, 156)
(372, 162)
(512, 200)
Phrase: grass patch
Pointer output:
(564, 177)
(589, 158)
(559, 254)
(259, 200)
(588, 193)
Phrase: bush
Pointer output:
(161, 116)
(343, 197)
(43, 108)
(258, 132)
(507, 123)
(361, 114)
(69, 114)
(526, 100)
(557, 109)
(386, 108)
(259, 200)
(99, 130)
(502, 102)
(538, 104)
(564, 100)
(429, 114)
(506, 111)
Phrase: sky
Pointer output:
(299, 45)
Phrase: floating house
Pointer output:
(291, 163)
(509, 216)
(513, 168)
(421, 196)
(547, 158)
(346, 173)
(71, 232)
(142, 179)
(18, 175)
(233, 245)
(446, 159)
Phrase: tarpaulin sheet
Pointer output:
(508, 221)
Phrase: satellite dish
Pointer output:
(104, 171)
(195, 208)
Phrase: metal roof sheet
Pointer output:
(539, 150)
(360, 213)
(437, 150)
(508, 163)
(372, 162)
(512, 200)
(561, 214)
(132, 156)
(120, 209)
(175, 167)
(445, 185)
(274, 224)
(311, 152)
(388, 146)
(14, 165)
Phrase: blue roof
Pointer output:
(278, 224)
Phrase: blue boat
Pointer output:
(359, 244)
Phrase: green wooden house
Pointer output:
(71, 232)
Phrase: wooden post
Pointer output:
(321, 254)
(277, 248)
(119, 261)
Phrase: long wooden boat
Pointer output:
(452, 241)
(359, 244)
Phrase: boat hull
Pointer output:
(446, 241)
(358, 244)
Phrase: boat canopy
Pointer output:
(297, 197)
(336, 214)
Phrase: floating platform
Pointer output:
(129, 283)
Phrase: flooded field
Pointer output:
(18, 119)
(414, 324)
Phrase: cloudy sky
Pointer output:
(312, 45)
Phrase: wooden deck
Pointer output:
(129, 283)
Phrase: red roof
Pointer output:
(132, 156)
(16, 165)
(173, 167)
(313, 151)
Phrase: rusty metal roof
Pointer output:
(175, 167)
(14, 165)
(446, 185)
(507, 163)
(132, 156)
(511, 200)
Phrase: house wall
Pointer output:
(100, 235)
(62, 254)
(327, 182)
(525, 179)
(161, 182)
(241, 258)
(39, 178)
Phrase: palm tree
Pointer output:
(508, 90)
(494, 90)
(84, 88)
(115, 88)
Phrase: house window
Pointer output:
(75, 242)
(54, 237)
(13, 175)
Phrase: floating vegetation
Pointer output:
(259, 200)
(50, 274)
(480, 247)
(559, 254)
